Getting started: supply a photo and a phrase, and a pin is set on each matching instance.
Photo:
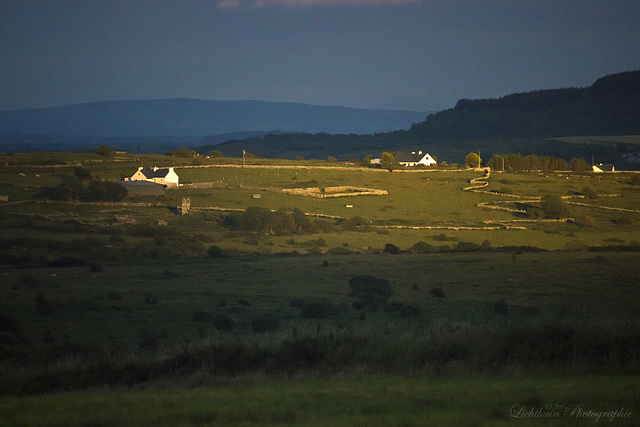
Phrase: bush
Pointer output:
(369, 291)
(423, 247)
(437, 293)
(467, 247)
(554, 207)
(265, 323)
(201, 316)
(390, 248)
(319, 309)
(589, 192)
(501, 308)
(624, 220)
(216, 252)
(29, 281)
(42, 305)
(67, 262)
(105, 191)
(223, 322)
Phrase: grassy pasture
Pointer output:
(376, 400)
(143, 309)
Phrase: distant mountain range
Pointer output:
(199, 118)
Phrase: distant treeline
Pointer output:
(518, 162)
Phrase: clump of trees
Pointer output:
(284, 221)
(369, 291)
(71, 189)
(518, 162)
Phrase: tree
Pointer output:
(105, 151)
(472, 160)
(388, 161)
(554, 207)
(216, 154)
(105, 191)
(183, 152)
(82, 174)
(579, 164)
(369, 291)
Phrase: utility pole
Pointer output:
(243, 156)
(479, 160)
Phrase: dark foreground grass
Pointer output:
(361, 401)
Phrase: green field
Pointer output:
(487, 294)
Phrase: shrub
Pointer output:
(150, 299)
(423, 247)
(369, 291)
(340, 250)
(296, 302)
(223, 322)
(623, 220)
(467, 247)
(82, 174)
(67, 262)
(215, 251)
(585, 221)
(319, 309)
(103, 150)
(589, 192)
(42, 305)
(554, 207)
(29, 281)
(201, 316)
(115, 296)
(265, 323)
(534, 212)
(501, 308)
(437, 293)
(105, 191)
(390, 248)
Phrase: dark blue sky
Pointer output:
(386, 54)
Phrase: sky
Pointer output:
(419, 55)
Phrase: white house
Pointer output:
(160, 176)
(415, 158)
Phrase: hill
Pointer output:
(611, 106)
(531, 123)
(198, 118)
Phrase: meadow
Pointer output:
(127, 301)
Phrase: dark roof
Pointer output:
(409, 157)
(150, 173)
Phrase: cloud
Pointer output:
(264, 4)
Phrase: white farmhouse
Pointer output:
(415, 158)
(603, 168)
(163, 176)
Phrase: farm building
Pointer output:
(603, 168)
(159, 176)
(415, 158)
